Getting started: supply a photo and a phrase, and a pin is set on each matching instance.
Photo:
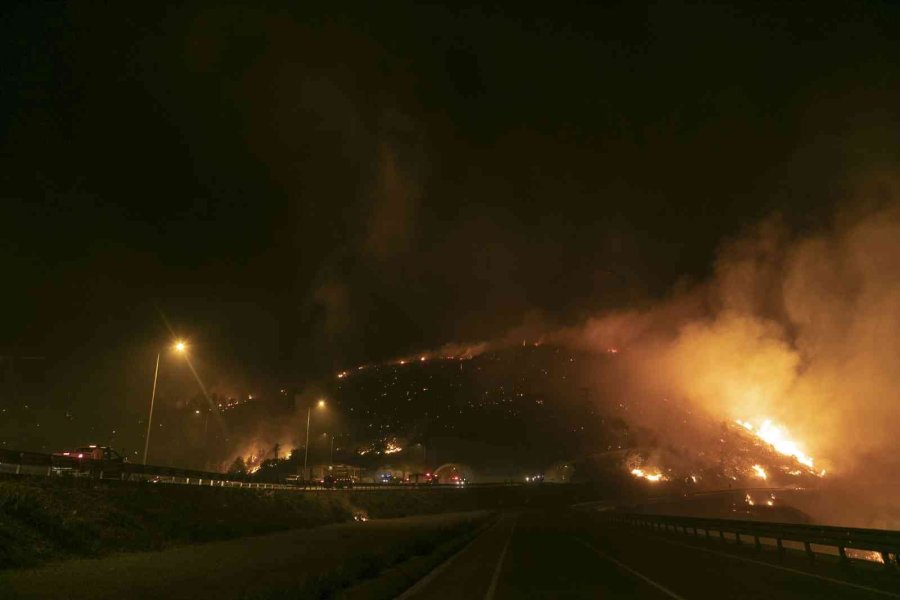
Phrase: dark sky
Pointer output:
(299, 188)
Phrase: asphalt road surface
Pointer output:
(529, 554)
(540, 555)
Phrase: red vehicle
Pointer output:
(420, 479)
(91, 460)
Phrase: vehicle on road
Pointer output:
(91, 461)
(338, 477)
(337, 482)
(420, 479)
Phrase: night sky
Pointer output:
(299, 188)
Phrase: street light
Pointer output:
(326, 435)
(319, 404)
(181, 348)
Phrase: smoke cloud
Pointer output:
(799, 328)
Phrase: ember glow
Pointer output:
(760, 472)
(779, 438)
(652, 475)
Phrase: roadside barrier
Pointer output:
(883, 542)
(34, 463)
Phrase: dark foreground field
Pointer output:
(313, 563)
(45, 519)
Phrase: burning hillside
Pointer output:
(526, 406)
(778, 371)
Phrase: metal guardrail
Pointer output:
(34, 463)
(885, 543)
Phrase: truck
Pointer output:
(92, 461)
(338, 477)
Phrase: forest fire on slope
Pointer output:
(778, 438)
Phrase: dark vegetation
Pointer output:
(54, 518)
(383, 571)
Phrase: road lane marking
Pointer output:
(425, 581)
(622, 565)
(496, 577)
(781, 568)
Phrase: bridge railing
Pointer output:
(883, 542)
(35, 463)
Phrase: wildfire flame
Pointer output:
(778, 437)
(759, 472)
(654, 476)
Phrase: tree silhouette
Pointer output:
(238, 467)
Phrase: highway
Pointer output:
(15, 462)
(540, 555)
(523, 554)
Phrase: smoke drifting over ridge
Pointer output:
(799, 329)
(802, 329)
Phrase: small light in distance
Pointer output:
(321, 404)
(180, 346)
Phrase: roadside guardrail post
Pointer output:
(878, 544)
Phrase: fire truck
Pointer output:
(338, 477)
(89, 461)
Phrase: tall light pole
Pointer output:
(178, 347)
(331, 460)
(319, 404)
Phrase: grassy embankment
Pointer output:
(47, 518)
(321, 562)
(386, 570)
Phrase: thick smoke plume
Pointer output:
(800, 328)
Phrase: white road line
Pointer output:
(423, 583)
(622, 565)
(781, 568)
(496, 577)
